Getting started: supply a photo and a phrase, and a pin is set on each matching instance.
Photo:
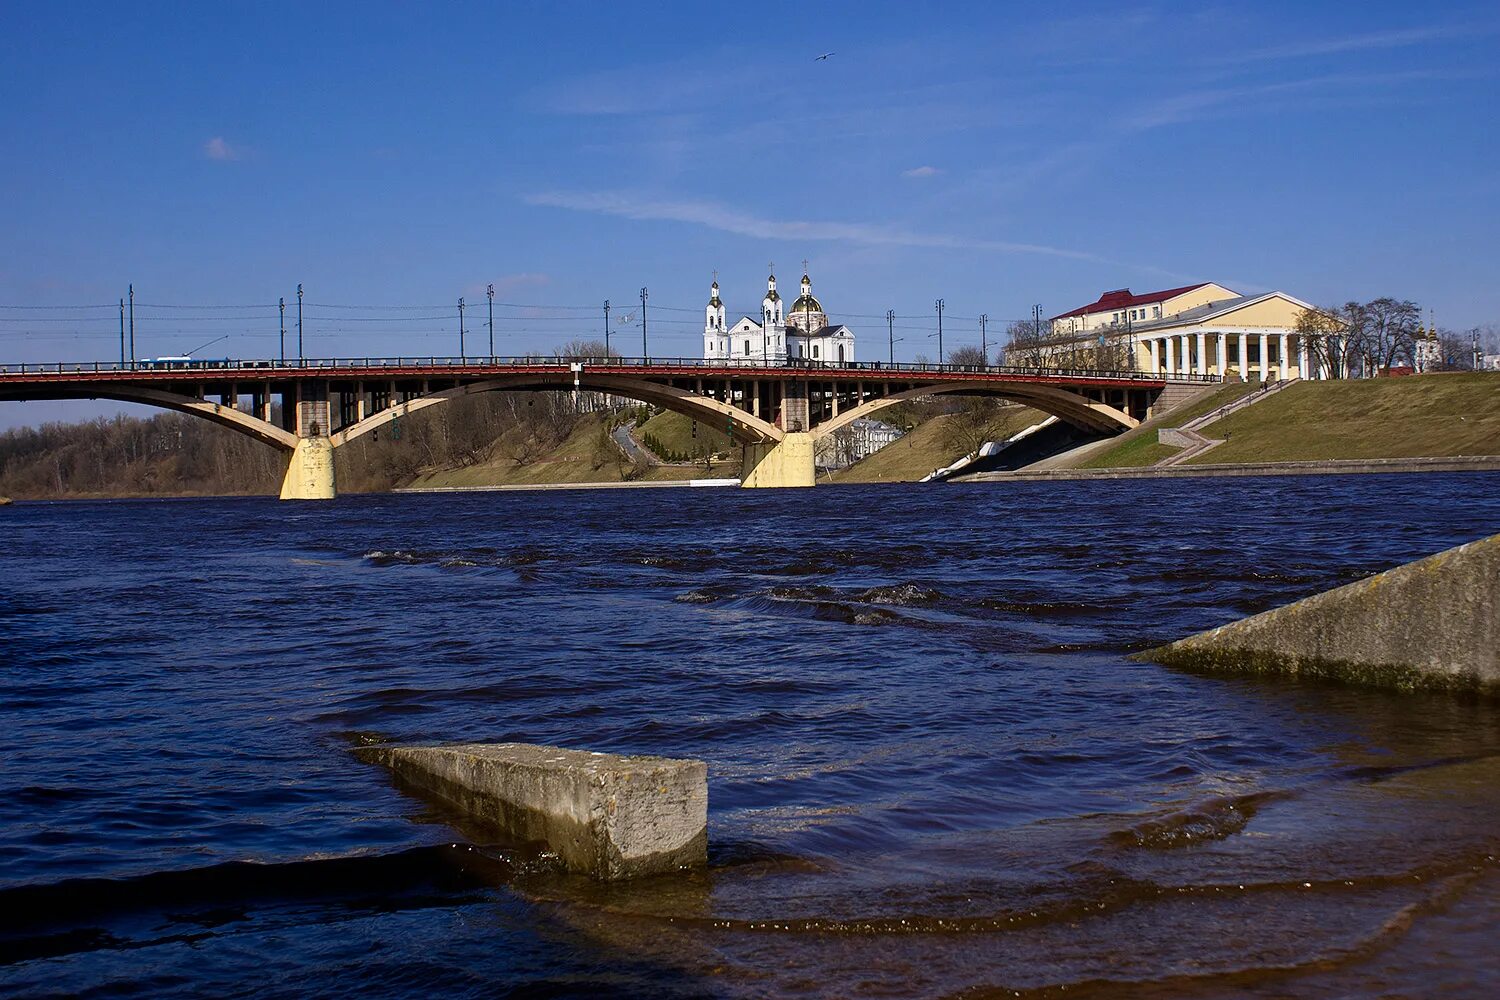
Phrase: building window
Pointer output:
(841, 354)
(747, 348)
(1156, 312)
(799, 351)
(815, 350)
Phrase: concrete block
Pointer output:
(784, 463)
(604, 815)
(309, 472)
(1433, 624)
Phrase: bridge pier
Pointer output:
(309, 473)
(788, 462)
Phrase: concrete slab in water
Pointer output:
(604, 815)
(1431, 624)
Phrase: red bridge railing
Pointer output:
(331, 366)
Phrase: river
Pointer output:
(934, 770)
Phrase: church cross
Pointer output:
(804, 265)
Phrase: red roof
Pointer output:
(1121, 298)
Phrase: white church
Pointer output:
(801, 333)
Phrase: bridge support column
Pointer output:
(788, 462)
(309, 474)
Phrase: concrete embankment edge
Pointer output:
(1481, 463)
(648, 485)
(604, 815)
(1433, 624)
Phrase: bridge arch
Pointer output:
(224, 416)
(746, 428)
(1069, 406)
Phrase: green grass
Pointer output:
(1138, 446)
(1417, 417)
(675, 433)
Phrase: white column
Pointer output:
(1265, 364)
(1243, 342)
(1223, 365)
(1202, 353)
(1286, 356)
(1171, 356)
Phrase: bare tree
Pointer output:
(1025, 345)
(1455, 350)
(1324, 332)
(1385, 331)
(968, 356)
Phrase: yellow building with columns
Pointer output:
(1202, 329)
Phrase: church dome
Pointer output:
(807, 303)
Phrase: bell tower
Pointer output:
(714, 333)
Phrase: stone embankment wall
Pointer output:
(1428, 625)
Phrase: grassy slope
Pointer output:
(586, 456)
(923, 450)
(675, 433)
(1420, 416)
(1139, 447)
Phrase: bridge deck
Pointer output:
(648, 368)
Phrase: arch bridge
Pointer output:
(776, 411)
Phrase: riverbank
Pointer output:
(1480, 463)
(642, 484)
(1443, 415)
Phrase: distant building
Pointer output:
(800, 333)
(857, 439)
(1203, 329)
(1426, 352)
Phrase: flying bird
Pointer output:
(824, 56)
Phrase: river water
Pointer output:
(934, 770)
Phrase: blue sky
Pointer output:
(994, 155)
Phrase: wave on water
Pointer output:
(1213, 820)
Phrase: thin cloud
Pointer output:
(218, 148)
(1362, 43)
(730, 220)
(527, 279)
(923, 171)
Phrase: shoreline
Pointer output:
(643, 485)
(1327, 467)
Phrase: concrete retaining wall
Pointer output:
(604, 815)
(1432, 624)
(1479, 463)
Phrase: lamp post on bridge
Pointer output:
(939, 304)
(132, 323)
(1036, 334)
(281, 304)
(122, 332)
(645, 353)
(462, 354)
(606, 329)
(300, 355)
(491, 293)
(984, 343)
(890, 331)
